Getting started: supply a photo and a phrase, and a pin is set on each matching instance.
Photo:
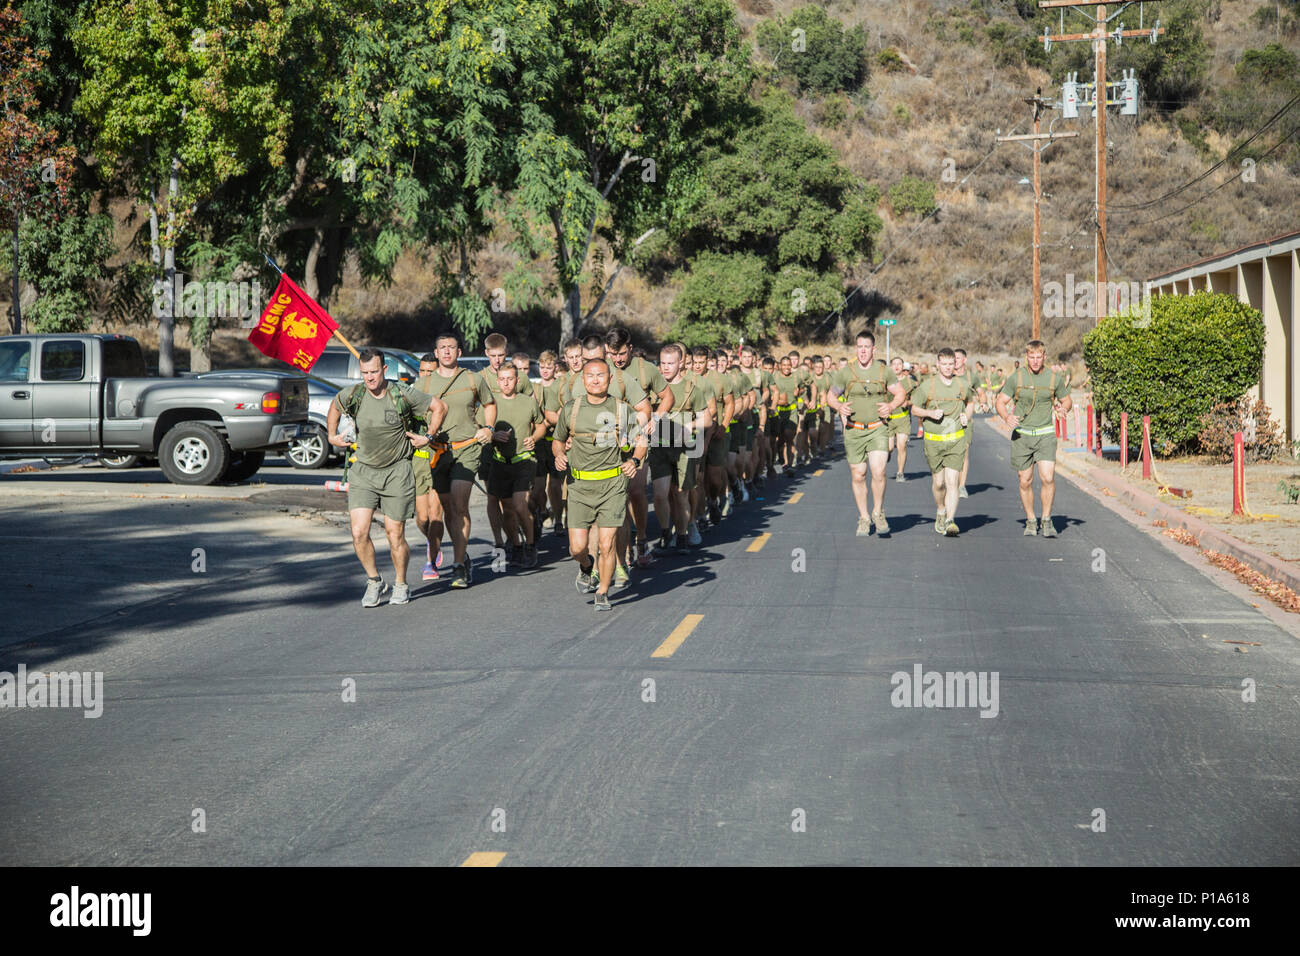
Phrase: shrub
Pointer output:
(912, 195)
(834, 59)
(1262, 436)
(1198, 352)
(889, 60)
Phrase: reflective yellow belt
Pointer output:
(903, 414)
(1037, 431)
(527, 455)
(597, 475)
(785, 408)
(951, 436)
(421, 453)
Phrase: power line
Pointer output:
(1228, 182)
(1229, 156)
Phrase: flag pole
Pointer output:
(337, 334)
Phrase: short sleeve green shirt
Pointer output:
(597, 434)
(863, 389)
(381, 435)
(517, 415)
(1033, 395)
(951, 399)
(464, 392)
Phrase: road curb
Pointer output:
(1209, 537)
(23, 467)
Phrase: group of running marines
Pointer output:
(606, 433)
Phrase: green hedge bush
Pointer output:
(1198, 352)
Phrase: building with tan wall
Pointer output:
(1265, 276)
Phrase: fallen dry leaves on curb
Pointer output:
(1278, 593)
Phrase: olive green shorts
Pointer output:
(1027, 450)
(601, 502)
(902, 425)
(423, 474)
(390, 491)
(946, 454)
(460, 465)
(858, 443)
(674, 463)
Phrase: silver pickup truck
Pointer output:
(64, 395)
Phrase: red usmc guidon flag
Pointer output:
(293, 328)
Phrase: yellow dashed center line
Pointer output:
(757, 543)
(679, 634)
(794, 498)
(483, 858)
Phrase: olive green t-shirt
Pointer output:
(864, 389)
(1033, 395)
(740, 387)
(381, 435)
(721, 385)
(950, 398)
(597, 433)
(787, 387)
(647, 376)
(464, 392)
(823, 383)
(706, 392)
(517, 415)
(768, 380)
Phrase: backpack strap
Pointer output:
(573, 415)
(352, 402)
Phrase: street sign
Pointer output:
(888, 322)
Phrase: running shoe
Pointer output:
(374, 591)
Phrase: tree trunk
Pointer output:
(201, 354)
(570, 315)
(18, 309)
(310, 282)
(167, 324)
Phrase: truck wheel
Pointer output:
(193, 453)
(243, 465)
(309, 451)
(120, 462)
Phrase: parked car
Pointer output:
(338, 365)
(312, 449)
(88, 395)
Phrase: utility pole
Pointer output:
(1035, 138)
(1101, 99)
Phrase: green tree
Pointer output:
(35, 170)
(63, 258)
(185, 97)
(816, 50)
(772, 226)
(612, 150)
(432, 101)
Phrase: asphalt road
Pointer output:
(512, 719)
